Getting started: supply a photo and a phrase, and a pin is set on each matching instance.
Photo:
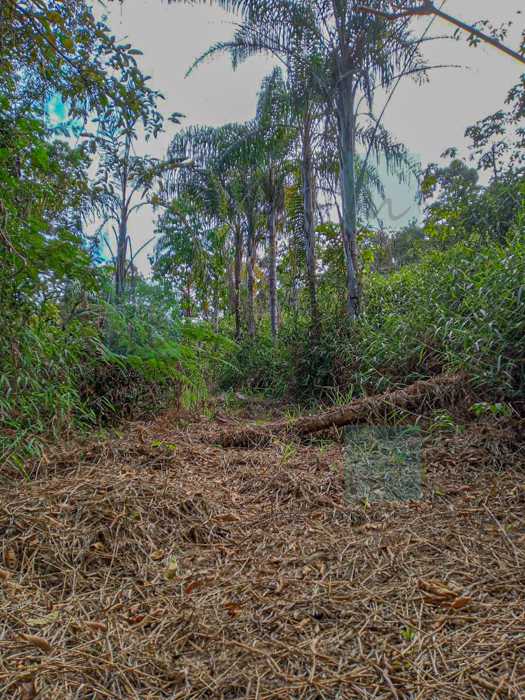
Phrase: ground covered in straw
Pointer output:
(156, 565)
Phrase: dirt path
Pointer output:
(160, 566)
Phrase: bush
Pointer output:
(463, 308)
(109, 363)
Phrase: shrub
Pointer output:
(109, 363)
(463, 308)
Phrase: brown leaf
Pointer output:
(460, 602)
(436, 588)
(438, 593)
(228, 518)
(39, 642)
(451, 603)
(10, 558)
(135, 619)
(233, 609)
(192, 585)
(97, 626)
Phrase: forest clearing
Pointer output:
(159, 564)
(262, 350)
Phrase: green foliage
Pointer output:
(106, 363)
(256, 364)
(40, 380)
(484, 408)
(460, 309)
(69, 356)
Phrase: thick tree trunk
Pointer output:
(237, 279)
(436, 392)
(250, 276)
(309, 220)
(346, 138)
(272, 271)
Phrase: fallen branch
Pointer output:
(438, 391)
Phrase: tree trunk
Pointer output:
(237, 279)
(215, 305)
(346, 138)
(250, 277)
(439, 391)
(309, 220)
(187, 298)
(120, 263)
(272, 273)
(122, 239)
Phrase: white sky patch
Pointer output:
(56, 111)
(427, 119)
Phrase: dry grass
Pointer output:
(159, 566)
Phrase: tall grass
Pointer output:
(113, 363)
(459, 309)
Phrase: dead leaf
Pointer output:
(39, 642)
(437, 593)
(228, 518)
(97, 626)
(192, 585)
(460, 602)
(436, 588)
(157, 555)
(233, 609)
(4, 575)
(10, 558)
(135, 619)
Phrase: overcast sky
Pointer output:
(427, 118)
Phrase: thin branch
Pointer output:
(428, 8)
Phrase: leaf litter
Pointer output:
(132, 570)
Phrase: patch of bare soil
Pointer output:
(158, 565)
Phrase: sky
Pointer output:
(427, 119)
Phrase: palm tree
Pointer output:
(275, 135)
(350, 54)
(225, 186)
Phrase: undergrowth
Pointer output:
(461, 309)
(114, 362)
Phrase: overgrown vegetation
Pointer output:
(85, 339)
(455, 309)
(272, 268)
(226, 551)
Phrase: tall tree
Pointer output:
(350, 54)
(274, 132)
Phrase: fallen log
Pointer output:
(419, 397)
